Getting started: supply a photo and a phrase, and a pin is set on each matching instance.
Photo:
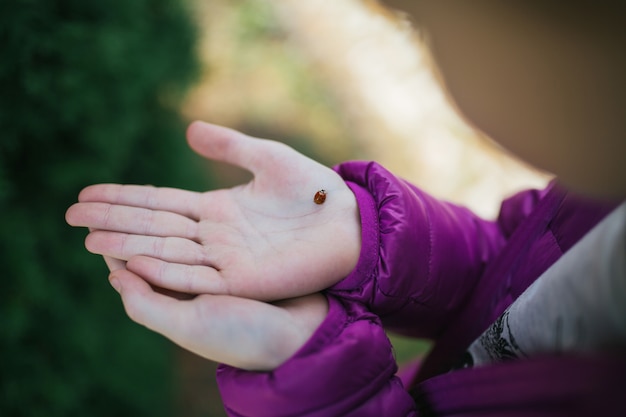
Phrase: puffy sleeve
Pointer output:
(421, 257)
(346, 368)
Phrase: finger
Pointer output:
(186, 203)
(239, 332)
(190, 279)
(124, 246)
(143, 304)
(195, 326)
(141, 221)
(114, 264)
(228, 145)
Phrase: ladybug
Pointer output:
(320, 197)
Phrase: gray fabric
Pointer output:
(577, 305)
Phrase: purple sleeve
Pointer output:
(346, 369)
(555, 386)
(420, 257)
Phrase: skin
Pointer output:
(266, 239)
(207, 270)
(262, 241)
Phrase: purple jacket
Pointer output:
(433, 269)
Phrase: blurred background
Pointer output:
(102, 92)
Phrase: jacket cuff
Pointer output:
(404, 273)
(346, 368)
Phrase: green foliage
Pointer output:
(89, 91)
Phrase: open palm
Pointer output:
(265, 240)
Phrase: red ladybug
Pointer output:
(320, 197)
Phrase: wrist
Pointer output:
(364, 260)
(349, 232)
(306, 314)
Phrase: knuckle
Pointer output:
(147, 221)
(189, 279)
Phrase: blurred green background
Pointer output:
(90, 92)
(98, 91)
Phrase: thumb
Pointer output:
(143, 304)
(175, 319)
(227, 145)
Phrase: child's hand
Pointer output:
(265, 240)
(240, 332)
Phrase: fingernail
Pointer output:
(115, 283)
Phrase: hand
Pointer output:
(265, 240)
(240, 332)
